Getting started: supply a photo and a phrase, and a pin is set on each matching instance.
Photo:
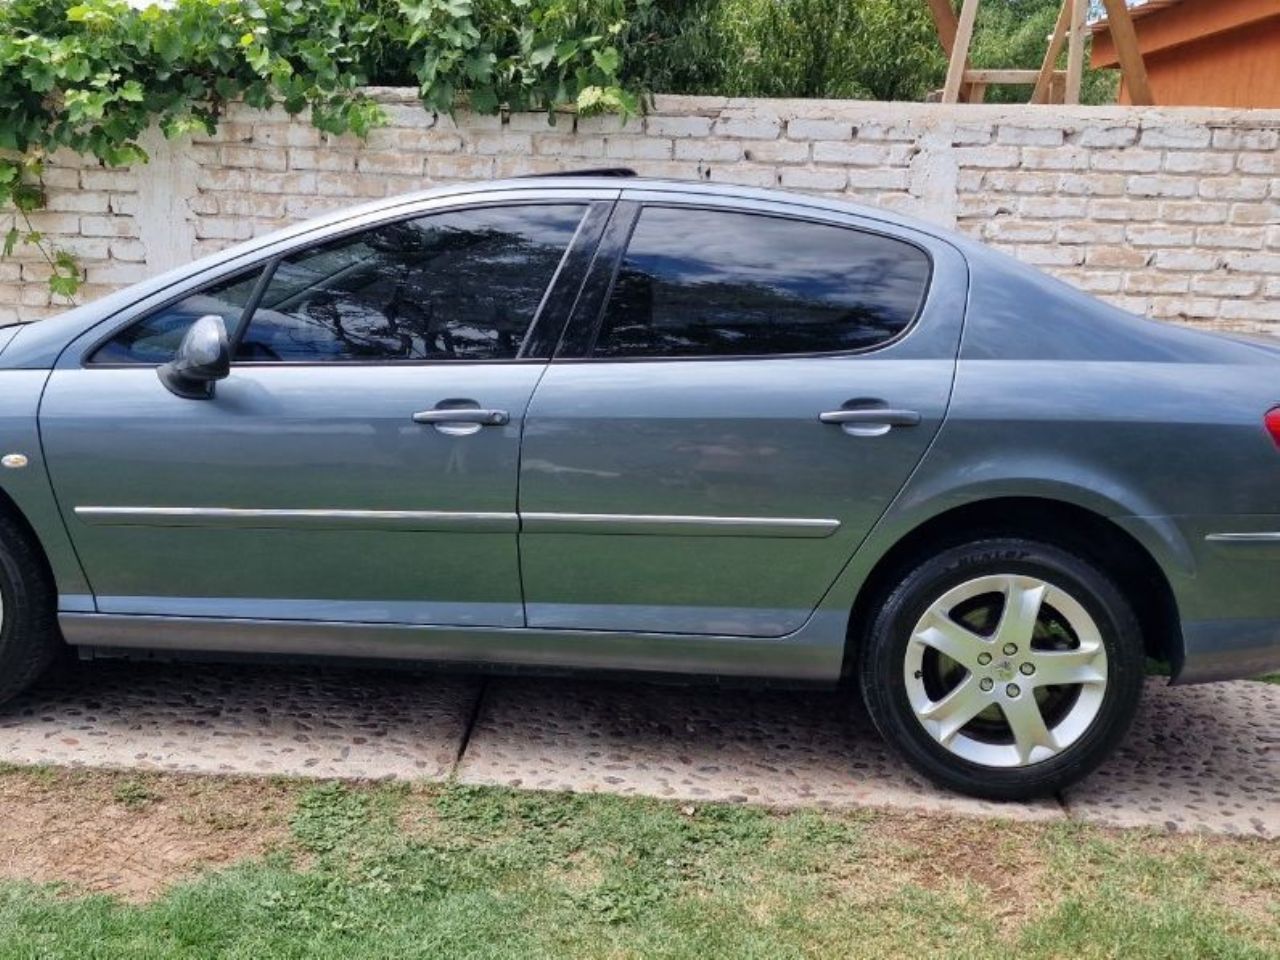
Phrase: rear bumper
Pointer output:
(1228, 650)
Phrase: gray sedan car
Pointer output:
(669, 428)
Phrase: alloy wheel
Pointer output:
(1006, 670)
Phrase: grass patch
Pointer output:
(396, 871)
(1271, 678)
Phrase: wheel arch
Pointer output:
(1065, 524)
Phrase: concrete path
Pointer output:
(1200, 758)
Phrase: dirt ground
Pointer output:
(133, 836)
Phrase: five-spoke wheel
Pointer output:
(1005, 668)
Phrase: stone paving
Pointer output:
(1199, 758)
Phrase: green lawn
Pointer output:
(387, 871)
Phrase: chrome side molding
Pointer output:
(1260, 537)
(299, 519)
(677, 525)
(581, 523)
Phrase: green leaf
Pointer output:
(10, 240)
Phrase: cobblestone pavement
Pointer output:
(1199, 758)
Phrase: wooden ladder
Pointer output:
(967, 85)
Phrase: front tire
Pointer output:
(29, 638)
(1006, 669)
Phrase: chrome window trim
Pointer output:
(817, 216)
(1258, 537)
(299, 237)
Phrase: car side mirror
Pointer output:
(203, 358)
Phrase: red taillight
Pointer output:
(1272, 421)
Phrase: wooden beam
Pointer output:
(1018, 77)
(1044, 83)
(960, 52)
(1075, 50)
(1132, 66)
(944, 18)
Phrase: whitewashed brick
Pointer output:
(677, 127)
(824, 178)
(751, 128)
(105, 227)
(1090, 231)
(866, 178)
(1246, 139)
(223, 228)
(133, 251)
(1177, 138)
(1020, 181)
(1020, 231)
(1192, 260)
(802, 129)
(1268, 263)
(1260, 164)
(1144, 282)
(1029, 136)
(459, 167)
(394, 163)
(330, 160)
(1161, 186)
(1194, 211)
(1118, 257)
(717, 151)
(1125, 161)
(1185, 161)
(568, 145)
(1221, 285)
(1158, 235)
(1055, 158)
(638, 148)
(1054, 208)
(861, 154)
(988, 157)
(775, 151)
(1105, 136)
(78, 201)
(1237, 238)
(1233, 188)
(1051, 256)
(1266, 310)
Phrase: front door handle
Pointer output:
(873, 416)
(470, 415)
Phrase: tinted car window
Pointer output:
(462, 285)
(716, 283)
(155, 338)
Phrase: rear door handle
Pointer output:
(476, 415)
(873, 417)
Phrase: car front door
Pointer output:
(738, 398)
(360, 461)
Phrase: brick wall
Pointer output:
(1172, 213)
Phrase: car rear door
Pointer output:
(360, 461)
(742, 391)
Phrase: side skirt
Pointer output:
(814, 653)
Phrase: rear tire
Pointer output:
(957, 669)
(29, 638)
